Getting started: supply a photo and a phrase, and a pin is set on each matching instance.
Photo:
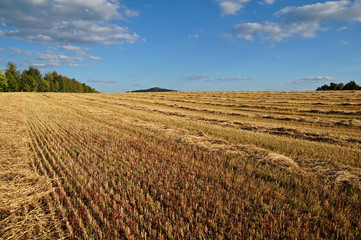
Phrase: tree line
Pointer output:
(31, 80)
(352, 85)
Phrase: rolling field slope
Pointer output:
(180, 165)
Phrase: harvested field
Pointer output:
(180, 165)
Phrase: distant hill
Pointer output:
(155, 89)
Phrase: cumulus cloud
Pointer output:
(343, 10)
(53, 58)
(131, 13)
(269, 1)
(44, 65)
(231, 7)
(302, 21)
(273, 31)
(315, 80)
(66, 22)
(57, 57)
(70, 48)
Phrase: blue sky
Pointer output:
(190, 45)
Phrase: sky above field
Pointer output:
(190, 45)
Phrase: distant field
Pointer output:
(181, 165)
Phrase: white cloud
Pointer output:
(70, 48)
(52, 58)
(270, 1)
(343, 10)
(43, 65)
(272, 31)
(131, 13)
(66, 22)
(193, 36)
(302, 21)
(342, 28)
(95, 58)
(308, 80)
(77, 65)
(231, 7)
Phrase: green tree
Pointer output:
(35, 79)
(13, 84)
(50, 78)
(45, 86)
(351, 86)
(23, 81)
(26, 87)
(323, 88)
(12, 73)
(333, 86)
(35, 73)
(31, 80)
(3, 82)
(340, 86)
(33, 84)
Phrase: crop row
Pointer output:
(243, 125)
(110, 111)
(115, 179)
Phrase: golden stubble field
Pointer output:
(180, 165)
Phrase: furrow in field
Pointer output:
(319, 98)
(290, 132)
(69, 170)
(280, 116)
(162, 199)
(64, 227)
(330, 171)
(101, 183)
(184, 185)
(103, 179)
(66, 154)
(242, 117)
(351, 151)
(266, 106)
(73, 222)
(23, 213)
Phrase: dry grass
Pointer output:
(192, 165)
(22, 191)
